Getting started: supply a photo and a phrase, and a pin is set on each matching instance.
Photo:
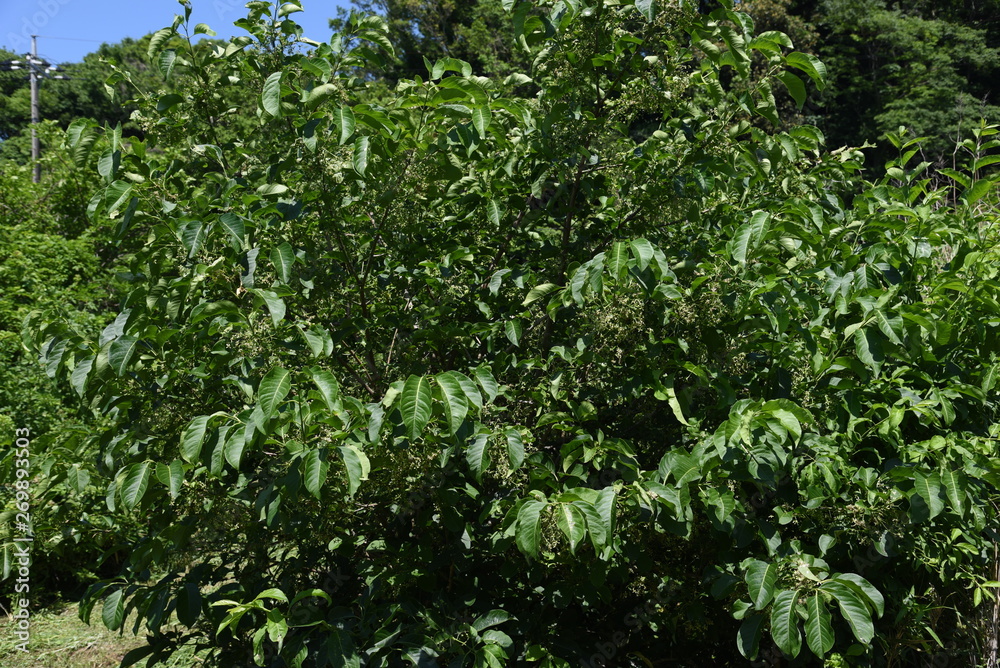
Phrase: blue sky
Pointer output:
(82, 25)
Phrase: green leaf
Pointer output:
(473, 90)
(135, 484)
(512, 328)
(869, 348)
(598, 535)
(269, 189)
(785, 623)
(477, 455)
(172, 476)
(189, 604)
(113, 611)
(605, 507)
(115, 196)
(865, 588)
(193, 237)
(327, 385)
(78, 478)
(314, 471)
(319, 341)
(469, 388)
(282, 257)
(273, 593)
(357, 465)
(415, 405)
(120, 353)
(853, 610)
(157, 41)
(748, 637)
(493, 214)
(819, 632)
(618, 259)
(456, 404)
(642, 250)
(809, 64)
(647, 8)
(991, 378)
(528, 533)
(749, 236)
(670, 394)
(978, 190)
(360, 157)
(235, 443)
(107, 165)
(166, 63)
(795, 88)
(891, 327)
(235, 227)
(193, 438)
(538, 292)
(929, 489)
(490, 619)
(319, 94)
(275, 304)
(515, 447)
(481, 118)
(80, 374)
(685, 468)
(271, 96)
(343, 120)
(760, 578)
(954, 485)
(274, 387)
(571, 522)
(487, 382)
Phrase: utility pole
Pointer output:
(37, 69)
(36, 145)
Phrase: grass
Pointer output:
(59, 639)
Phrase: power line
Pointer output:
(37, 69)
(72, 39)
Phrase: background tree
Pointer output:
(477, 32)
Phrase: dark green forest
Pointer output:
(551, 333)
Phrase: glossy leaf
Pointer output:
(852, 609)
(358, 466)
(415, 405)
(819, 632)
(192, 438)
(135, 483)
(271, 96)
(120, 353)
(571, 522)
(529, 527)
(785, 623)
(344, 123)
(477, 455)
(274, 387)
(456, 404)
(760, 578)
(314, 471)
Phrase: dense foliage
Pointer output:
(591, 364)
